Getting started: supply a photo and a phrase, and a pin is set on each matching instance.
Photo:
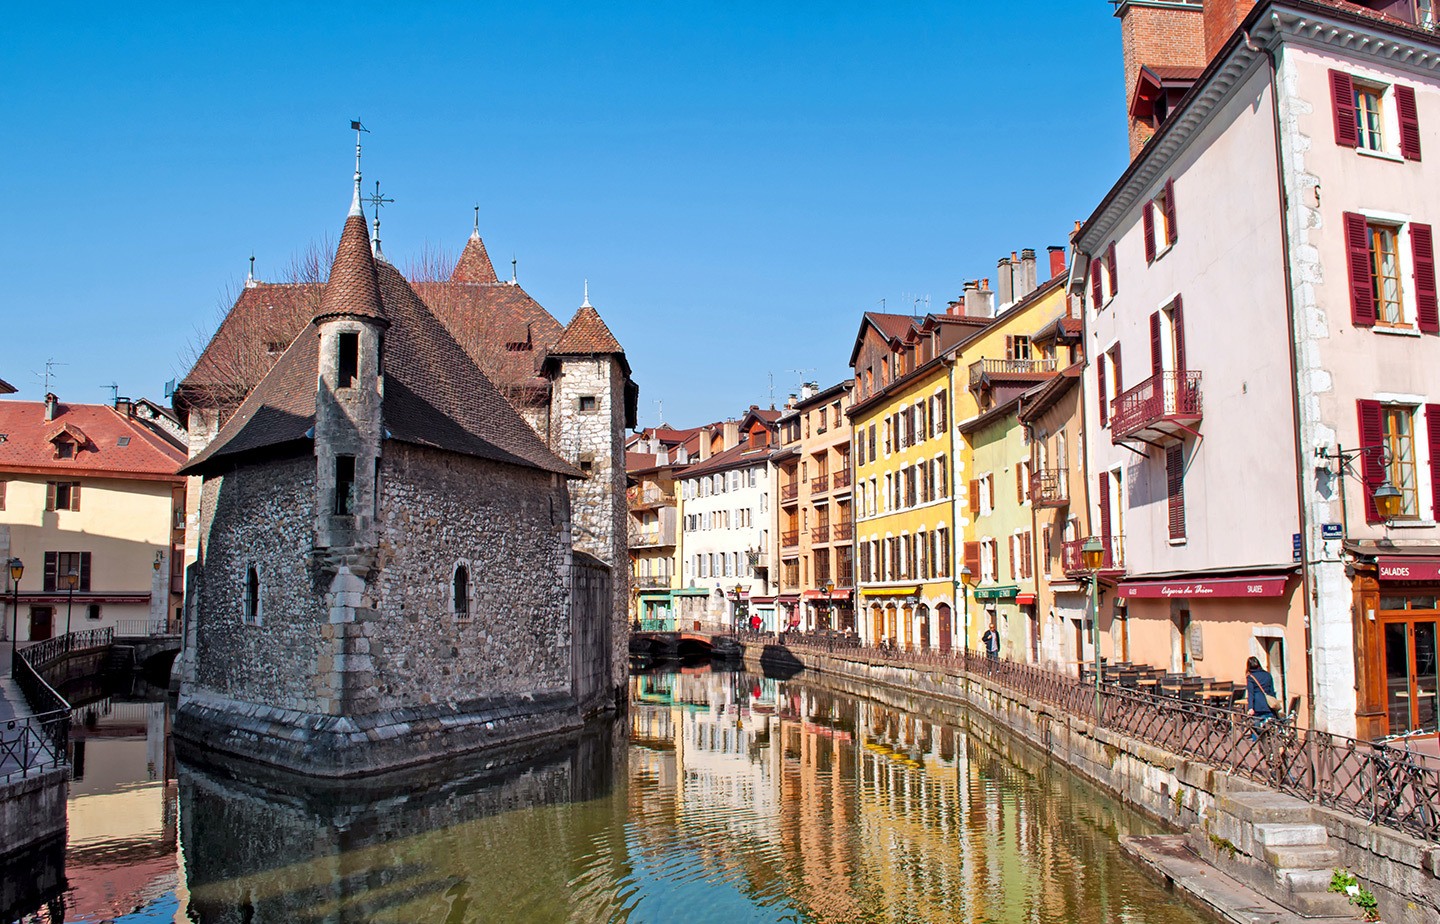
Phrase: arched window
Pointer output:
(460, 592)
(252, 595)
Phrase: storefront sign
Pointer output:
(1409, 569)
(1213, 588)
(995, 593)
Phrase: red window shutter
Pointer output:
(972, 558)
(1115, 365)
(1432, 426)
(1357, 247)
(1110, 268)
(52, 567)
(1157, 352)
(1372, 437)
(1175, 490)
(1422, 245)
(1409, 122)
(84, 571)
(1342, 100)
(974, 496)
(1100, 389)
(1105, 504)
(1170, 223)
(1148, 215)
(1177, 320)
(1096, 294)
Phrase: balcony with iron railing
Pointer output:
(845, 574)
(651, 581)
(840, 480)
(819, 484)
(652, 536)
(759, 559)
(648, 497)
(789, 493)
(844, 530)
(1073, 561)
(820, 533)
(1161, 406)
(790, 538)
(983, 368)
(1050, 487)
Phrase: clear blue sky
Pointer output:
(737, 180)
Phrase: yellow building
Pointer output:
(89, 494)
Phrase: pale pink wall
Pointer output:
(1228, 265)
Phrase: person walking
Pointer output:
(1260, 695)
(991, 641)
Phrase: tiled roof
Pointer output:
(474, 264)
(1171, 72)
(734, 457)
(435, 394)
(586, 334)
(504, 330)
(6, 388)
(893, 326)
(352, 289)
(257, 329)
(27, 436)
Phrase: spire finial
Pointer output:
(514, 271)
(475, 235)
(355, 202)
(250, 281)
(586, 303)
(377, 201)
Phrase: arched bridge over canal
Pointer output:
(679, 638)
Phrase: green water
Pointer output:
(720, 797)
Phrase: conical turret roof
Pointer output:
(474, 264)
(586, 333)
(353, 290)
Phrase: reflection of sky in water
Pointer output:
(685, 887)
(160, 911)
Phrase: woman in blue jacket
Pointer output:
(1258, 685)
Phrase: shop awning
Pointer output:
(1408, 568)
(1209, 588)
(891, 591)
(834, 595)
(788, 598)
(1023, 599)
(766, 600)
(691, 592)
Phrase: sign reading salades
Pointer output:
(1213, 588)
(1409, 569)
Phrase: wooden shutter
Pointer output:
(52, 567)
(1148, 215)
(1157, 350)
(1110, 268)
(1014, 558)
(1019, 485)
(1096, 294)
(1115, 366)
(1422, 246)
(75, 496)
(1171, 226)
(1409, 122)
(1175, 490)
(1177, 321)
(974, 496)
(1357, 248)
(1100, 389)
(1342, 101)
(49, 495)
(972, 559)
(1432, 427)
(1372, 438)
(1105, 504)
(84, 571)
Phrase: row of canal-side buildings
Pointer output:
(1227, 384)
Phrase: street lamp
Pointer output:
(737, 591)
(1387, 496)
(1092, 554)
(1387, 500)
(967, 580)
(17, 568)
(828, 588)
(72, 580)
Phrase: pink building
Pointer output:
(1262, 330)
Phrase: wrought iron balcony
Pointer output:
(1050, 487)
(790, 492)
(642, 499)
(759, 560)
(651, 582)
(840, 479)
(1074, 563)
(790, 538)
(820, 533)
(819, 484)
(982, 368)
(844, 530)
(1158, 407)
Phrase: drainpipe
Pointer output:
(1306, 588)
(957, 537)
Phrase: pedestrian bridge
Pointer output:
(145, 645)
(682, 638)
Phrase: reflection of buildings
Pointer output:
(122, 838)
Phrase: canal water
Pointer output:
(720, 797)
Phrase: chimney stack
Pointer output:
(1172, 33)
(1057, 261)
(1027, 282)
(1006, 281)
(52, 403)
(706, 434)
(731, 430)
(124, 406)
(979, 301)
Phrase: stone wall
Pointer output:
(1402, 871)
(592, 629)
(32, 809)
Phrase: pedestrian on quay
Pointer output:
(991, 641)
(1260, 691)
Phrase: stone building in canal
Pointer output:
(386, 568)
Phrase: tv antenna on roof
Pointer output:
(114, 392)
(801, 373)
(48, 374)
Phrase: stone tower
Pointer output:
(592, 399)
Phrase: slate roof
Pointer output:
(474, 264)
(97, 428)
(435, 394)
(586, 334)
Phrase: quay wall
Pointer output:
(32, 809)
(1402, 871)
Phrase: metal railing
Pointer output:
(844, 530)
(790, 538)
(141, 628)
(42, 654)
(1160, 397)
(982, 367)
(1073, 562)
(841, 479)
(819, 484)
(820, 533)
(1376, 781)
(41, 741)
(789, 492)
(650, 581)
(649, 497)
(1050, 487)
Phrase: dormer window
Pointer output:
(64, 449)
(348, 360)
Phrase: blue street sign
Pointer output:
(1331, 531)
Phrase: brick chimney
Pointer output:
(1169, 32)
(52, 405)
(1057, 260)
(1222, 18)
